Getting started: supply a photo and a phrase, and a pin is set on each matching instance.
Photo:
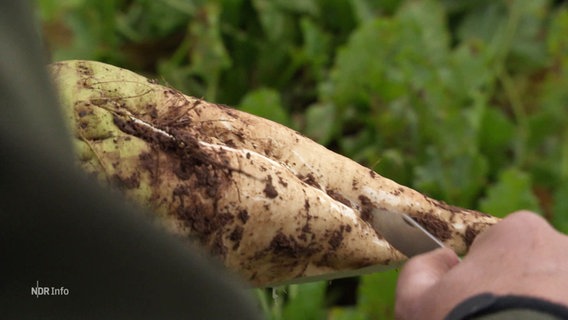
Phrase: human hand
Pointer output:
(520, 255)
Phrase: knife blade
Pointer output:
(404, 233)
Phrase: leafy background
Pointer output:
(463, 100)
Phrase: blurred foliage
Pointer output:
(466, 101)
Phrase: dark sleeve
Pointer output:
(488, 306)
(68, 248)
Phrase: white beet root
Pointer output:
(271, 204)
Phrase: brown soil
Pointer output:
(437, 227)
(366, 208)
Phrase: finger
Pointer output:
(422, 271)
(516, 225)
(419, 275)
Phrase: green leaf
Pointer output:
(208, 54)
(316, 47)
(360, 72)
(338, 17)
(560, 210)
(528, 51)
(470, 70)
(428, 18)
(393, 165)
(166, 17)
(385, 75)
(512, 192)
(496, 137)
(51, 9)
(320, 122)
(556, 40)
(457, 179)
(362, 146)
(265, 103)
(307, 7)
(376, 294)
(483, 22)
(273, 19)
(369, 9)
(346, 313)
(306, 301)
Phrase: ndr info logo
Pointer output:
(49, 291)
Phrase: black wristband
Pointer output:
(484, 305)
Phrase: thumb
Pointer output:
(420, 274)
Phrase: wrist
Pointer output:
(486, 305)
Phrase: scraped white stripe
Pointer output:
(334, 204)
(381, 196)
(149, 126)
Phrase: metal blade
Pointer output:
(404, 233)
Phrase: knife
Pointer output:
(404, 233)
